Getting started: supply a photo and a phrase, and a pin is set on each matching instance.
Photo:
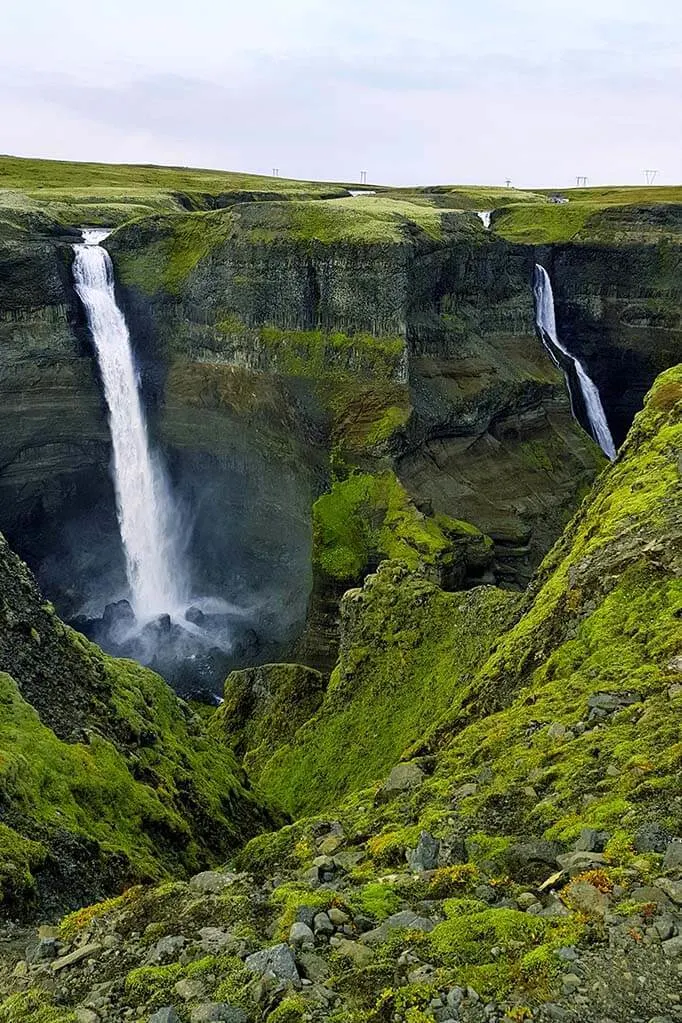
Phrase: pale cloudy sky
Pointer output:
(413, 91)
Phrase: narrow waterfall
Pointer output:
(484, 216)
(146, 517)
(546, 323)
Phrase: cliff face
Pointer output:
(618, 305)
(282, 344)
(55, 491)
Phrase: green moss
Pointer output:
(153, 985)
(18, 858)
(290, 897)
(33, 1006)
(365, 518)
(290, 1010)
(140, 809)
(406, 649)
(377, 900)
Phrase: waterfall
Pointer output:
(546, 323)
(484, 216)
(146, 517)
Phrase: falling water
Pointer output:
(546, 324)
(146, 517)
(484, 216)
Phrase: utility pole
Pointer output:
(650, 176)
(363, 177)
(581, 181)
(275, 172)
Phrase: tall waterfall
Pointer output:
(546, 324)
(146, 517)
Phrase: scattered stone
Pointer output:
(166, 950)
(190, 989)
(402, 778)
(591, 840)
(526, 899)
(470, 788)
(46, 949)
(165, 1015)
(651, 838)
(215, 940)
(322, 924)
(212, 882)
(672, 859)
(587, 899)
(406, 919)
(675, 664)
(337, 916)
(84, 1015)
(278, 960)
(425, 855)
(361, 955)
(77, 956)
(673, 947)
(314, 966)
(578, 862)
(301, 936)
(329, 845)
(220, 1011)
(673, 889)
(556, 730)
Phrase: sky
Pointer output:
(412, 92)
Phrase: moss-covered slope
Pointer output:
(523, 863)
(105, 776)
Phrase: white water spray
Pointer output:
(146, 517)
(546, 324)
(484, 216)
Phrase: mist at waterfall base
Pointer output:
(191, 640)
(545, 321)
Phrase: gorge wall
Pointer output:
(280, 350)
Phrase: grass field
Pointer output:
(46, 195)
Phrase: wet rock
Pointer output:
(195, 615)
(118, 613)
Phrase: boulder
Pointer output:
(672, 860)
(402, 778)
(166, 1014)
(166, 950)
(301, 936)
(278, 960)
(425, 855)
(209, 1012)
(212, 882)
